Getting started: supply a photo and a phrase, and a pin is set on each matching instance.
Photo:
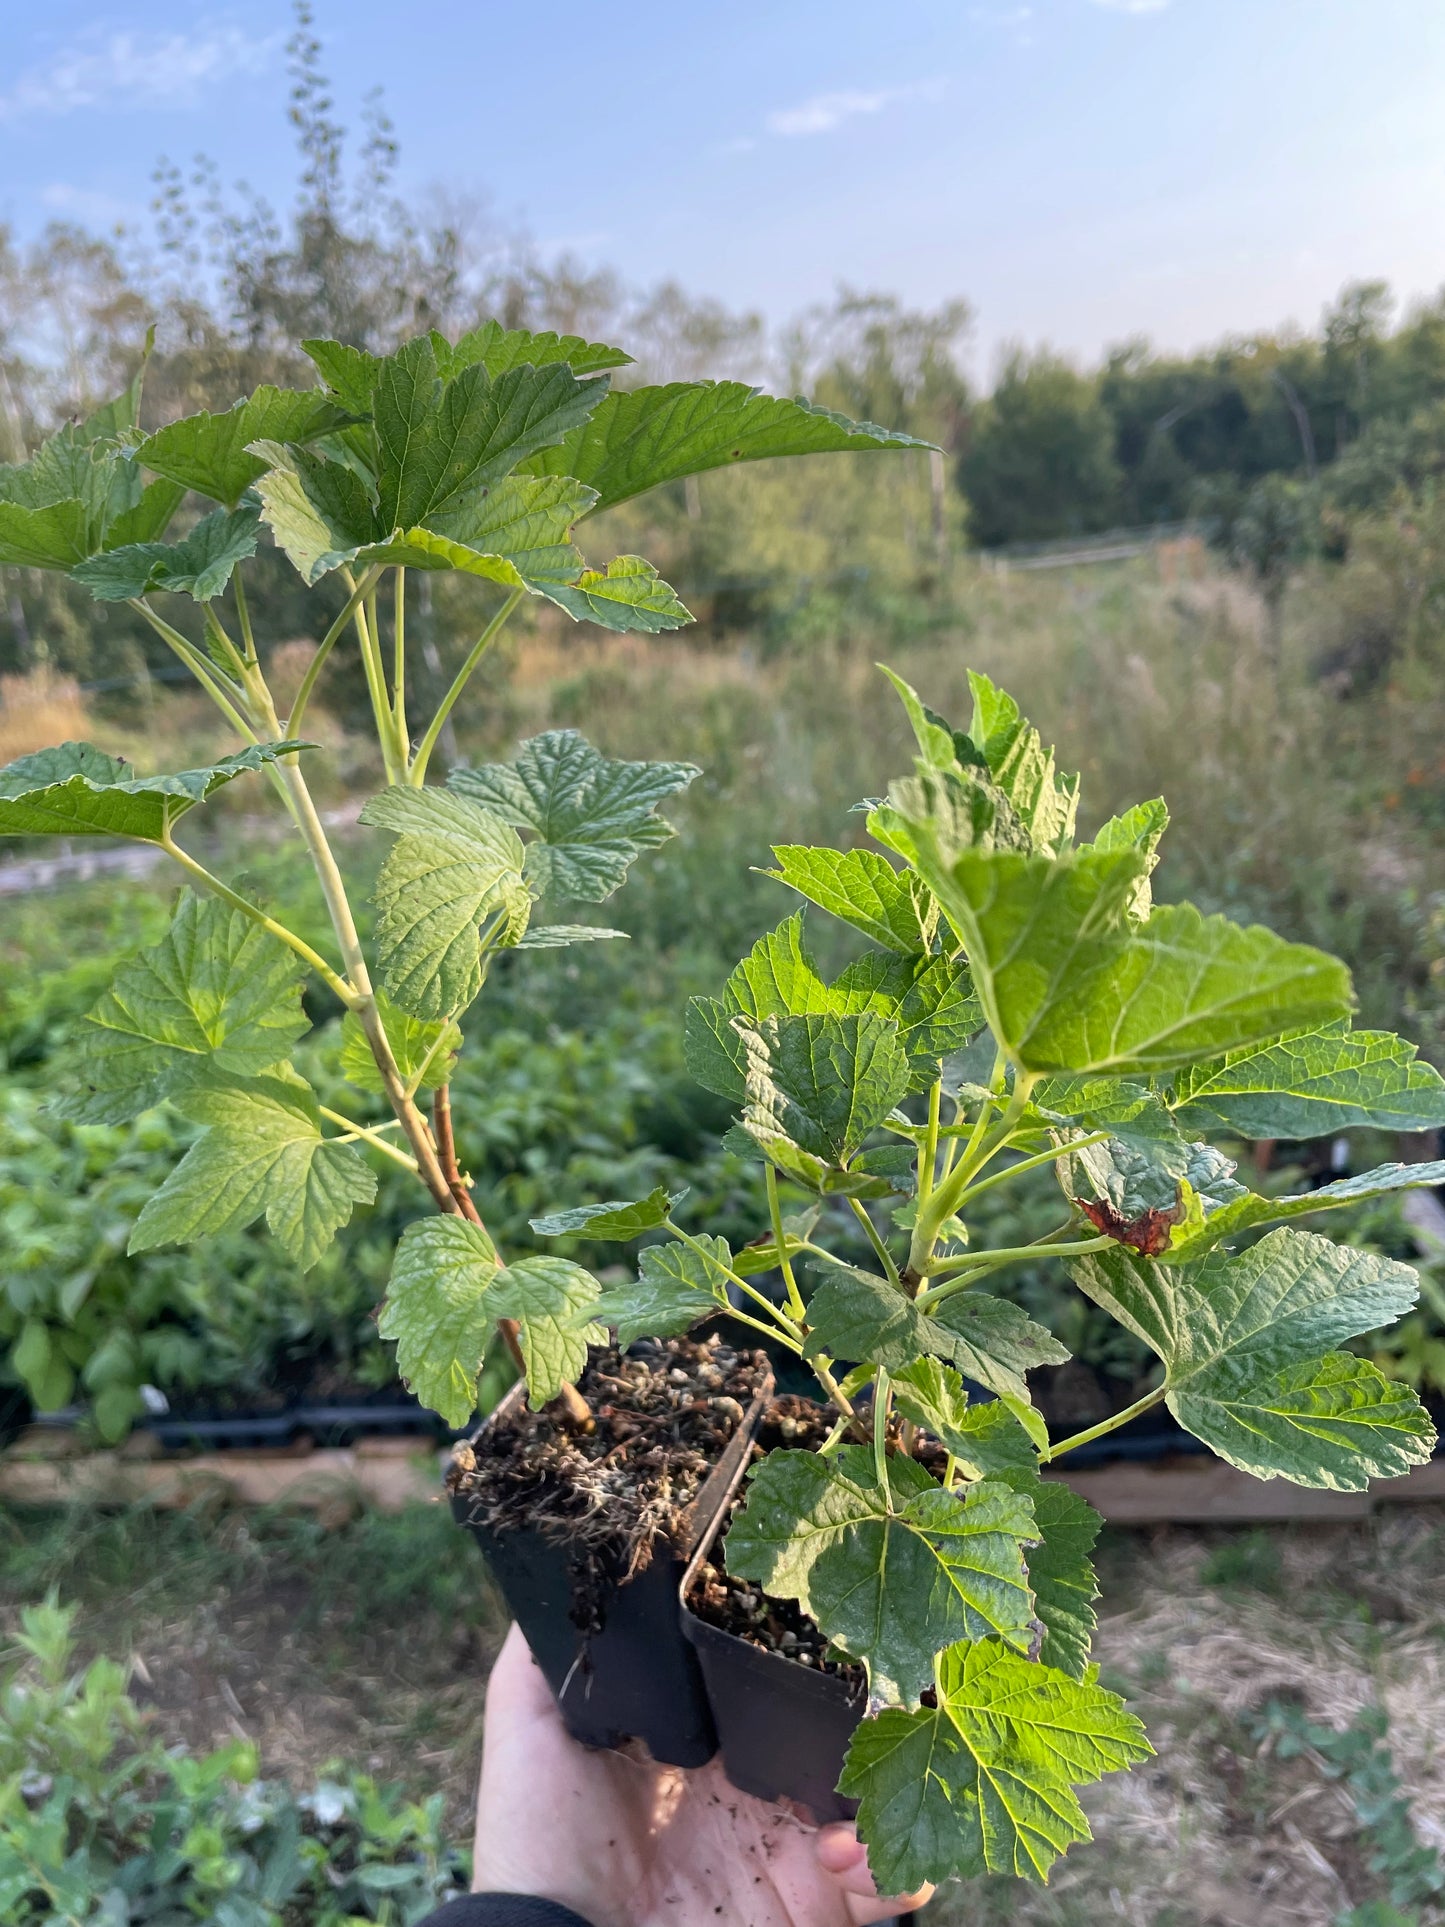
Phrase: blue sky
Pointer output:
(1079, 169)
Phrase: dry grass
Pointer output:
(39, 709)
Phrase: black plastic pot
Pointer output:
(783, 1728)
(636, 1677)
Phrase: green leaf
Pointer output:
(983, 1782)
(590, 816)
(217, 993)
(499, 348)
(1248, 1342)
(55, 536)
(856, 1316)
(440, 444)
(1312, 1084)
(1132, 1112)
(439, 1312)
(77, 790)
(615, 1222)
(676, 1285)
(823, 1082)
(149, 519)
(628, 595)
(1044, 802)
(639, 438)
(1137, 1177)
(413, 1044)
(1060, 1569)
(939, 744)
(1069, 985)
(451, 865)
(986, 1439)
(349, 373)
(261, 1149)
(930, 999)
(890, 906)
(1138, 829)
(209, 453)
(1241, 1210)
(890, 1576)
(318, 510)
(555, 1303)
(200, 566)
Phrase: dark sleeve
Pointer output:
(503, 1910)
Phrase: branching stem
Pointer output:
(1051, 1156)
(371, 1137)
(881, 1251)
(780, 1318)
(882, 1404)
(1105, 1426)
(345, 991)
(323, 650)
(775, 1213)
(980, 1263)
(479, 648)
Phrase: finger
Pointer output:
(517, 1689)
(843, 1856)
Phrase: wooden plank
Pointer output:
(1199, 1491)
(319, 1481)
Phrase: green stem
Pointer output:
(928, 1157)
(204, 672)
(836, 1394)
(243, 616)
(775, 1212)
(344, 990)
(327, 644)
(459, 682)
(223, 642)
(882, 1401)
(373, 1138)
(982, 1262)
(1029, 1164)
(784, 1322)
(778, 1336)
(831, 1443)
(980, 1149)
(375, 680)
(950, 1473)
(418, 1076)
(1105, 1426)
(881, 1251)
(398, 641)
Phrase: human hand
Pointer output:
(629, 1844)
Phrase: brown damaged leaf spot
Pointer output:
(1147, 1234)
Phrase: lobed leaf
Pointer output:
(555, 1303)
(889, 1575)
(676, 1285)
(824, 1082)
(1061, 1571)
(499, 349)
(1141, 829)
(986, 1439)
(200, 566)
(590, 815)
(890, 906)
(617, 1221)
(439, 1313)
(628, 595)
(1311, 1084)
(217, 994)
(77, 790)
(211, 453)
(1240, 1210)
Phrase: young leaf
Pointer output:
(1138, 829)
(414, 1044)
(261, 1149)
(200, 566)
(208, 453)
(217, 993)
(452, 864)
(349, 373)
(441, 444)
(555, 1303)
(1060, 1569)
(590, 816)
(1044, 802)
(439, 1312)
(1240, 1210)
(616, 1222)
(499, 348)
(639, 438)
(1130, 1111)
(675, 1286)
(628, 595)
(77, 790)
(983, 1782)
(1248, 1342)
(1312, 1084)
(890, 906)
(930, 999)
(890, 1576)
(854, 1315)
(986, 1439)
(823, 1082)
(940, 746)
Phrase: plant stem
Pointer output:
(769, 1331)
(831, 1442)
(377, 1142)
(398, 640)
(928, 1157)
(327, 644)
(716, 1264)
(243, 617)
(980, 1149)
(203, 671)
(881, 1251)
(1029, 1164)
(986, 1261)
(1107, 1425)
(950, 1473)
(223, 642)
(441, 1113)
(882, 1401)
(375, 678)
(344, 990)
(837, 1396)
(775, 1212)
(479, 648)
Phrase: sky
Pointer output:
(1082, 171)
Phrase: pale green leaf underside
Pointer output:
(555, 1303)
(217, 993)
(77, 790)
(628, 595)
(889, 1576)
(1242, 1210)
(616, 1221)
(983, 1783)
(676, 1285)
(438, 1312)
(200, 566)
(261, 1150)
(1312, 1084)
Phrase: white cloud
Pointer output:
(1132, 6)
(824, 112)
(136, 70)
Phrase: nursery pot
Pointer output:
(783, 1728)
(635, 1676)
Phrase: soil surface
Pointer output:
(664, 1412)
(738, 1606)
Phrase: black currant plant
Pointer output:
(479, 456)
(1023, 1003)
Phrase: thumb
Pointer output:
(843, 1857)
